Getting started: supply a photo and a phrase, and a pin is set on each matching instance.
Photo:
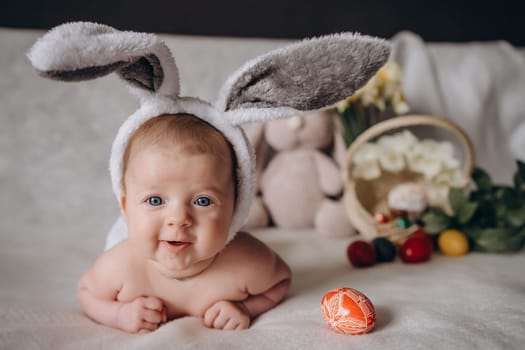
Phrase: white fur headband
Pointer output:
(299, 78)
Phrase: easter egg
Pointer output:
(422, 232)
(417, 248)
(385, 249)
(453, 243)
(382, 218)
(403, 222)
(361, 253)
(348, 311)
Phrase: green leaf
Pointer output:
(492, 216)
(521, 168)
(515, 243)
(482, 179)
(486, 214)
(519, 177)
(352, 125)
(435, 221)
(506, 194)
(493, 240)
(516, 216)
(463, 208)
(473, 232)
(466, 212)
(457, 199)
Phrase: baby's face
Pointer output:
(178, 207)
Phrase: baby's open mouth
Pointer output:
(176, 246)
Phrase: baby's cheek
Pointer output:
(143, 225)
(221, 221)
(218, 224)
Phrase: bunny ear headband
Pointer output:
(302, 77)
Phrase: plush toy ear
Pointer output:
(83, 50)
(302, 77)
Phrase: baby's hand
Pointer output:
(142, 315)
(226, 315)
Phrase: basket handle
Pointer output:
(411, 120)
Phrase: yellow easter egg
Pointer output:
(453, 243)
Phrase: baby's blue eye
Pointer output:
(155, 201)
(203, 201)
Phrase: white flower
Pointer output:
(422, 160)
(444, 177)
(367, 170)
(408, 196)
(365, 162)
(394, 153)
(437, 195)
(445, 152)
(368, 152)
(458, 180)
(451, 177)
(392, 161)
(430, 145)
(400, 142)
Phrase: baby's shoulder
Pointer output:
(249, 247)
(246, 253)
(252, 263)
(114, 261)
(106, 275)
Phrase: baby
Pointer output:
(184, 171)
(178, 198)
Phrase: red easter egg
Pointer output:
(420, 231)
(381, 218)
(417, 248)
(348, 311)
(361, 253)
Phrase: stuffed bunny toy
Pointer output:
(303, 77)
(298, 183)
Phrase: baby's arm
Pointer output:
(97, 293)
(279, 280)
(266, 280)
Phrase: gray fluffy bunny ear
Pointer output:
(83, 50)
(302, 77)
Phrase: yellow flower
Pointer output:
(382, 89)
(343, 105)
(399, 103)
(377, 100)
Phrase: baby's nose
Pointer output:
(178, 217)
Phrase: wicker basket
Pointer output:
(364, 198)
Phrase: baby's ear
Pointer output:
(83, 50)
(307, 76)
(122, 202)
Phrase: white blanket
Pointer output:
(57, 205)
(480, 86)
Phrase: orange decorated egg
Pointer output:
(348, 311)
